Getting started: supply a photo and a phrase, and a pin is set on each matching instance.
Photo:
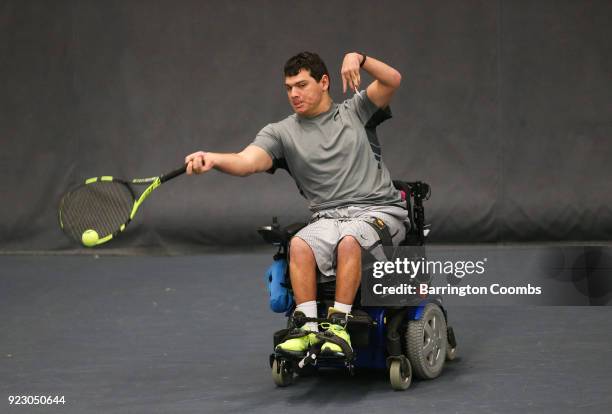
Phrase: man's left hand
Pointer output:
(350, 72)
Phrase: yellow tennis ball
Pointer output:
(90, 237)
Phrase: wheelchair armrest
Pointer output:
(417, 189)
(276, 235)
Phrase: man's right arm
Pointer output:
(252, 159)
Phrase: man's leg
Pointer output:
(348, 271)
(348, 278)
(303, 271)
(303, 274)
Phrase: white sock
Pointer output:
(309, 309)
(343, 307)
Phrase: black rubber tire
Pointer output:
(399, 379)
(427, 363)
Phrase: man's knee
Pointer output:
(300, 251)
(349, 247)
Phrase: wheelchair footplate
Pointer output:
(284, 363)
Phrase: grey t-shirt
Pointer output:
(331, 157)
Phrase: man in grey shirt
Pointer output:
(332, 153)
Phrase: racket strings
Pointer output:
(102, 206)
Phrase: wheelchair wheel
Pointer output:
(426, 342)
(282, 373)
(400, 380)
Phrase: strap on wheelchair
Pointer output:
(328, 336)
(299, 320)
(315, 350)
(384, 235)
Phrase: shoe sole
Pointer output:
(290, 354)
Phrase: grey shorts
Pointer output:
(328, 227)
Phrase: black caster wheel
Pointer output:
(400, 378)
(282, 373)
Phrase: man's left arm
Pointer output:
(386, 78)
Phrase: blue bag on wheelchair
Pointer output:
(281, 300)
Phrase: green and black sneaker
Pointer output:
(297, 342)
(329, 348)
(297, 345)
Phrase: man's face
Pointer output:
(305, 93)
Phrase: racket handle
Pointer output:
(173, 174)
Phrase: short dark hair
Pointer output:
(306, 60)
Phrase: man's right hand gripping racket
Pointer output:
(101, 208)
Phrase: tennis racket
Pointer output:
(101, 208)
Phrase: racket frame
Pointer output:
(153, 182)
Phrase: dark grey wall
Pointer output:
(505, 108)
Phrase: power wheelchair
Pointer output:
(415, 338)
